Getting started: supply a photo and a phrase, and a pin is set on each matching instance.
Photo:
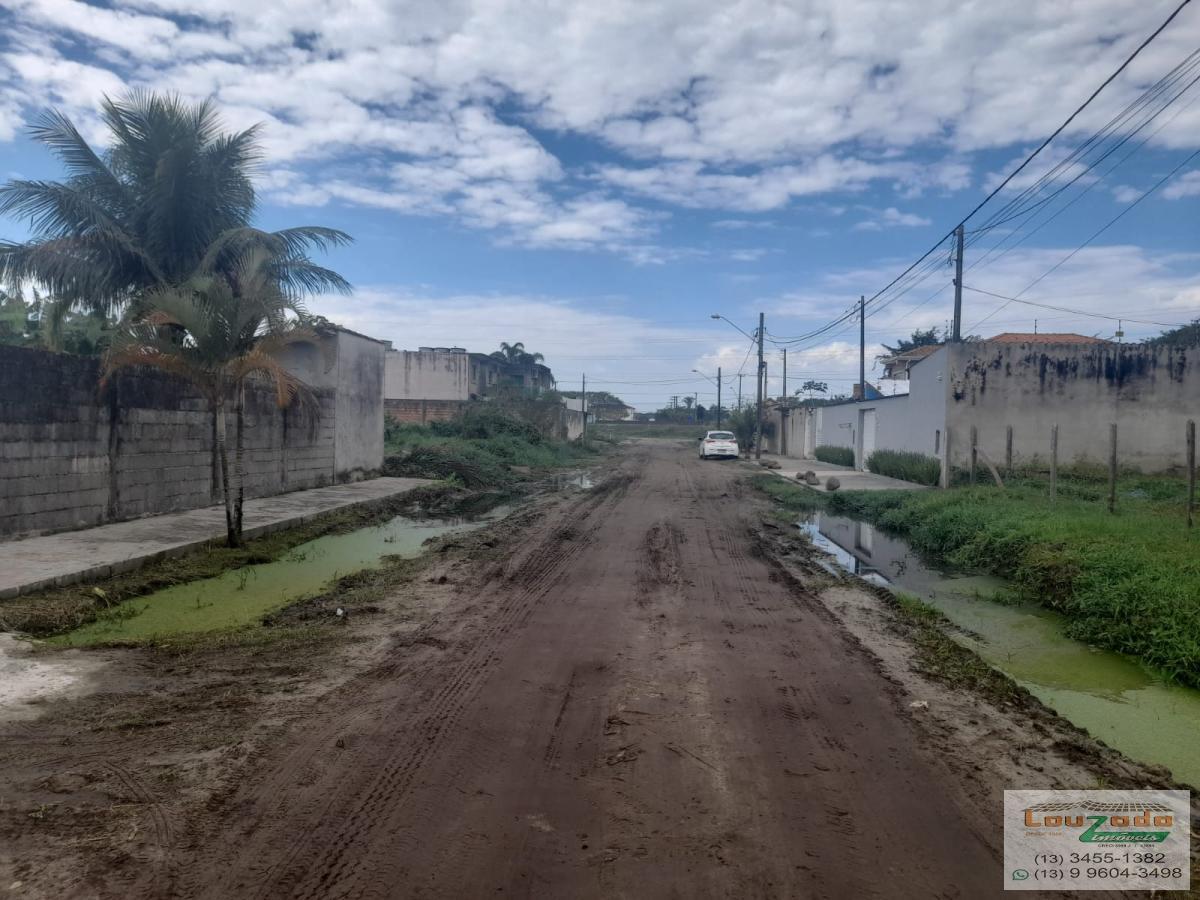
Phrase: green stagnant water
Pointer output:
(243, 596)
(1112, 696)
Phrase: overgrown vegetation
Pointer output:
(838, 456)
(1129, 581)
(484, 446)
(905, 465)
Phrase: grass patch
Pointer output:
(1128, 582)
(838, 456)
(905, 465)
(792, 498)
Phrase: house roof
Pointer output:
(1020, 337)
(897, 365)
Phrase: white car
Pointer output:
(719, 445)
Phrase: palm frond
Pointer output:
(303, 239)
(55, 130)
(256, 363)
(298, 277)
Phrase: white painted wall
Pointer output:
(915, 421)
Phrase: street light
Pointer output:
(735, 325)
(758, 339)
(717, 382)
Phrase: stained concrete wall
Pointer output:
(786, 437)
(72, 456)
(358, 399)
(1149, 391)
(428, 375)
(453, 374)
(571, 424)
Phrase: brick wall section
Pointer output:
(71, 456)
(421, 411)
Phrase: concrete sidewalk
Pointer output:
(851, 479)
(93, 553)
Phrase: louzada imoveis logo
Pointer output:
(1110, 823)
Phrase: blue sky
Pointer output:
(596, 179)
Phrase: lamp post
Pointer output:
(717, 382)
(758, 339)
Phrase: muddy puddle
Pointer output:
(1112, 696)
(573, 481)
(243, 596)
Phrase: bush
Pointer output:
(905, 465)
(838, 456)
(480, 421)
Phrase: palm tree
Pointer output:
(219, 329)
(145, 214)
(516, 354)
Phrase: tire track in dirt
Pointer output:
(634, 704)
(313, 864)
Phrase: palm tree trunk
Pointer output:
(231, 534)
(240, 497)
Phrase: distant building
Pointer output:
(895, 367)
(432, 383)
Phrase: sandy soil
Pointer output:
(623, 693)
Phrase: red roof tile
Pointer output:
(1017, 337)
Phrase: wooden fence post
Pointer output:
(1053, 461)
(1008, 452)
(974, 452)
(1112, 467)
(1191, 464)
(945, 479)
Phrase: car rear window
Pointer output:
(721, 435)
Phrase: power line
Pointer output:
(1013, 174)
(1078, 312)
(1094, 235)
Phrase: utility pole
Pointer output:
(718, 398)
(739, 406)
(785, 393)
(862, 347)
(583, 404)
(758, 426)
(956, 331)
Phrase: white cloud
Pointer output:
(743, 106)
(892, 218)
(1186, 185)
(1124, 193)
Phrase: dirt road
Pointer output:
(632, 705)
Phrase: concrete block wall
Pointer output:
(71, 456)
